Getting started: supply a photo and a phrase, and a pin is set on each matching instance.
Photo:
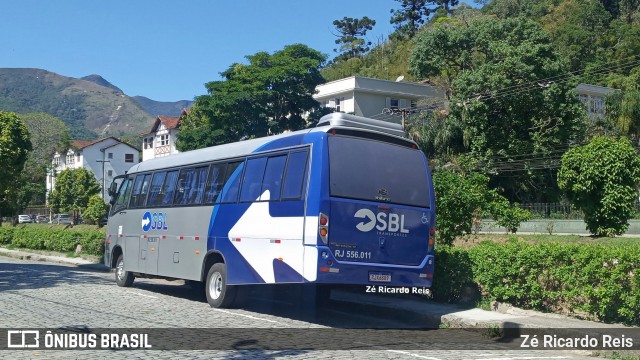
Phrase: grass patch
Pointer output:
(483, 303)
(472, 240)
(618, 356)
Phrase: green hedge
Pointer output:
(600, 280)
(53, 238)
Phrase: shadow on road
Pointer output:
(296, 302)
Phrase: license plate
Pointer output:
(380, 277)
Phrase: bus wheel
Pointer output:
(219, 295)
(123, 278)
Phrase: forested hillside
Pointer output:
(509, 69)
(88, 108)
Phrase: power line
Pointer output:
(527, 86)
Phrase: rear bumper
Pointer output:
(358, 273)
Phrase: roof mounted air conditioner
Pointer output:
(342, 119)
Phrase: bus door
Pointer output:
(120, 227)
(381, 206)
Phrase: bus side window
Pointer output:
(295, 176)
(123, 196)
(182, 189)
(168, 188)
(139, 194)
(197, 185)
(215, 183)
(156, 188)
(191, 186)
(233, 175)
(253, 176)
(273, 177)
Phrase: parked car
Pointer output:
(24, 219)
(103, 221)
(42, 219)
(61, 219)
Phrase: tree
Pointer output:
(462, 198)
(267, 96)
(510, 119)
(439, 136)
(51, 135)
(623, 113)
(504, 9)
(14, 149)
(413, 13)
(577, 28)
(73, 189)
(601, 179)
(351, 32)
(96, 210)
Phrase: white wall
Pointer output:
(89, 157)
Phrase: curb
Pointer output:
(22, 255)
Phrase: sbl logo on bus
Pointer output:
(382, 222)
(155, 221)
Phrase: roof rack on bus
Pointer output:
(342, 119)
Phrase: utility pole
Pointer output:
(403, 112)
(104, 180)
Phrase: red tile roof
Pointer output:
(169, 122)
(81, 144)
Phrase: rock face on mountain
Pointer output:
(91, 107)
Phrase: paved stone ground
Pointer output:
(45, 295)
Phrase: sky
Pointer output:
(166, 50)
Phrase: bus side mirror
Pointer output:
(113, 188)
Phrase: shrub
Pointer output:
(58, 239)
(509, 216)
(6, 234)
(603, 281)
(458, 197)
(601, 179)
(453, 274)
(96, 210)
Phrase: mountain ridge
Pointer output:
(90, 106)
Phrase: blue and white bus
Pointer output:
(348, 202)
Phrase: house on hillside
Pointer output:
(375, 98)
(106, 158)
(161, 139)
(593, 99)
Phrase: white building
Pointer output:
(373, 97)
(593, 98)
(105, 158)
(161, 139)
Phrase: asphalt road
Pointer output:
(40, 295)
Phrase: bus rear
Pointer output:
(377, 212)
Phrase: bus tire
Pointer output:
(219, 294)
(123, 278)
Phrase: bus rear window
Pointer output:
(371, 170)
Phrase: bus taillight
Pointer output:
(323, 227)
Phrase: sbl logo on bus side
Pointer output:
(155, 221)
(391, 222)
